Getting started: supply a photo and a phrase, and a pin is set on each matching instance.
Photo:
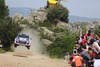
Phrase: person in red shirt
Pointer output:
(83, 39)
(92, 54)
(89, 34)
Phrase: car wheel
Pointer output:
(28, 47)
(15, 45)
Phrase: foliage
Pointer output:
(24, 21)
(59, 30)
(8, 28)
(2, 50)
(8, 31)
(63, 43)
(97, 30)
(46, 24)
(82, 26)
(45, 36)
(4, 12)
(56, 13)
(32, 25)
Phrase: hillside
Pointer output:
(22, 10)
(81, 19)
(25, 12)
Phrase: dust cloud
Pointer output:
(36, 47)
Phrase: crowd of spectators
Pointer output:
(86, 51)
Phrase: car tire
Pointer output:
(28, 47)
(15, 45)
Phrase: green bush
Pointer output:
(25, 21)
(46, 24)
(45, 36)
(8, 31)
(2, 50)
(56, 13)
(59, 30)
(63, 43)
(10, 50)
(82, 26)
(8, 28)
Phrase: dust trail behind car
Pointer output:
(36, 46)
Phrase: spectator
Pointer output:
(66, 57)
(97, 63)
(85, 56)
(78, 60)
(89, 35)
(95, 46)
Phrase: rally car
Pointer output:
(22, 40)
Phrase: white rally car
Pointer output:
(22, 40)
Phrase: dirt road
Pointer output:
(22, 57)
(8, 60)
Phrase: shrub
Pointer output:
(56, 13)
(24, 21)
(63, 43)
(45, 36)
(46, 24)
(2, 50)
(8, 31)
(8, 28)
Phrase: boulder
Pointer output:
(37, 15)
(46, 31)
(46, 42)
(40, 16)
(64, 25)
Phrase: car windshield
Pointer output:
(23, 36)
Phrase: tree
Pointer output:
(56, 13)
(4, 12)
(8, 28)
(8, 31)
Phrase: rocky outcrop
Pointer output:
(38, 15)
(46, 31)
(48, 34)
(41, 14)
(46, 42)
(17, 17)
(64, 25)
